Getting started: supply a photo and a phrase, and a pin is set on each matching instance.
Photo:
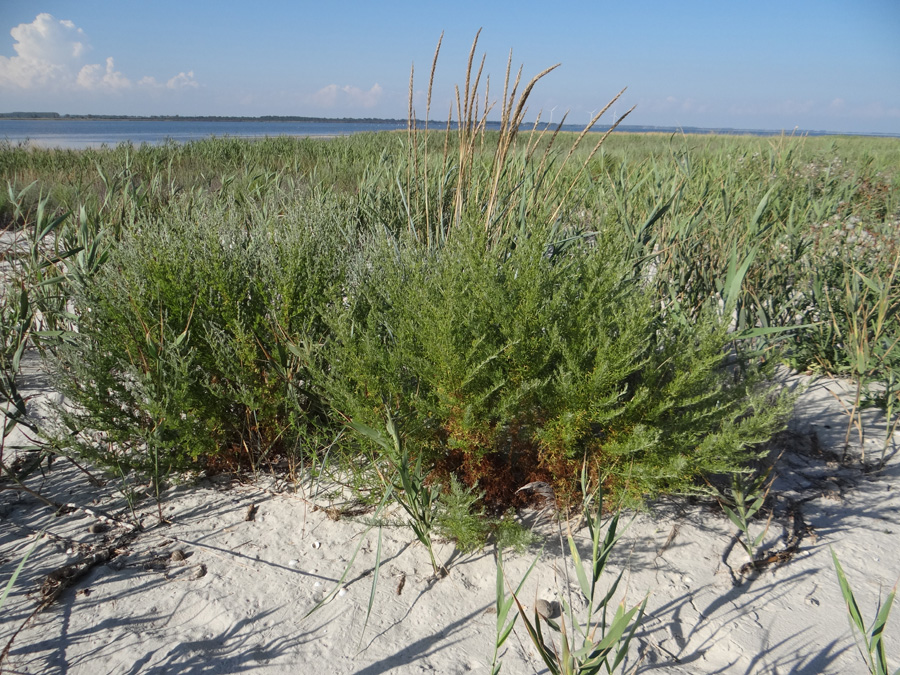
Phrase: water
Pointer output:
(85, 133)
(76, 134)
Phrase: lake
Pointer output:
(86, 133)
(78, 133)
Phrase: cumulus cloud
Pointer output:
(334, 95)
(52, 54)
(94, 78)
(183, 81)
(45, 50)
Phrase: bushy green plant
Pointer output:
(461, 519)
(517, 335)
(513, 362)
(510, 534)
(182, 353)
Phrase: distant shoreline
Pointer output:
(49, 117)
(436, 124)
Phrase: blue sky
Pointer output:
(817, 65)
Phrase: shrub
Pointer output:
(180, 357)
(516, 362)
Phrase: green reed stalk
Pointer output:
(870, 641)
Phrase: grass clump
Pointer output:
(406, 482)
(593, 642)
(742, 501)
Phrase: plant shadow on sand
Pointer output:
(427, 646)
(683, 544)
(240, 648)
(687, 621)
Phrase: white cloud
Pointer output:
(333, 96)
(46, 50)
(183, 81)
(326, 97)
(51, 55)
(93, 78)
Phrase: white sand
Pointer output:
(237, 602)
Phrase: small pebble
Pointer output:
(177, 555)
(98, 528)
(547, 609)
(293, 563)
(342, 592)
(316, 544)
(200, 572)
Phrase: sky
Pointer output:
(803, 64)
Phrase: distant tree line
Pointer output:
(30, 115)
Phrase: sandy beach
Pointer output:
(226, 584)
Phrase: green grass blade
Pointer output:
(738, 522)
(371, 434)
(612, 589)
(735, 277)
(877, 631)
(374, 586)
(852, 607)
(623, 650)
(579, 568)
(537, 639)
(617, 627)
(337, 586)
(340, 582)
(19, 568)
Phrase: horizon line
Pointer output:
(626, 128)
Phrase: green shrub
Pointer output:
(515, 362)
(180, 356)
(460, 519)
